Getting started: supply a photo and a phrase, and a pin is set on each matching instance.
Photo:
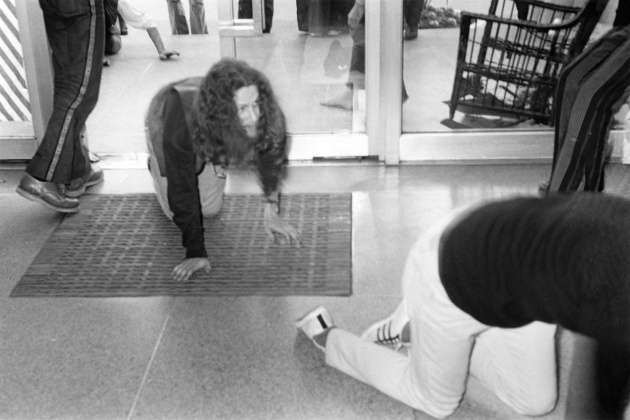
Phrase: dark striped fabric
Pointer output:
(590, 91)
(76, 32)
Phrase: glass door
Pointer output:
(307, 56)
(469, 99)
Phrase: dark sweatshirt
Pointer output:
(623, 13)
(564, 259)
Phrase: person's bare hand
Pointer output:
(274, 224)
(166, 54)
(355, 15)
(185, 269)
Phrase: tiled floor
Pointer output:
(238, 358)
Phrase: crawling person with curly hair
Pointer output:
(196, 128)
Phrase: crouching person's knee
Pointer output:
(211, 208)
(538, 406)
(436, 404)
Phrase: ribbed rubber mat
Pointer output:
(123, 245)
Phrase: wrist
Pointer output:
(272, 198)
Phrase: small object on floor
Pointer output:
(79, 185)
(49, 194)
(93, 158)
(389, 331)
(314, 323)
(106, 62)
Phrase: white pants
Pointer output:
(210, 189)
(519, 365)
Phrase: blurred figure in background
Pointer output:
(177, 17)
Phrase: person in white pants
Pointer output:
(471, 304)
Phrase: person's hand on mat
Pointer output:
(184, 270)
(166, 54)
(275, 224)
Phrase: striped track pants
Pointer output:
(76, 34)
(590, 91)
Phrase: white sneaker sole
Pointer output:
(309, 317)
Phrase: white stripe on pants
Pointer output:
(519, 365)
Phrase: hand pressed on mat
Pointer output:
(275, 224)
(185, 269)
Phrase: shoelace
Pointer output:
(384, 336)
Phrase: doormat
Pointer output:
(124, 246)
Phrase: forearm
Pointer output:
(154, 34)
(272, 203)
(182, 191)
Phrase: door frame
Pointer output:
(19, 140)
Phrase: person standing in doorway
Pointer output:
(61, 170)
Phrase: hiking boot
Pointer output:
(50, 194)
(79, 185)
(389, 331)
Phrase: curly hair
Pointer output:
(218, 135)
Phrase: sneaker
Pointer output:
(50, 194)
(79, 185)
(315, 322)
(389, 330)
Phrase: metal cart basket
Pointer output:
(509, 60)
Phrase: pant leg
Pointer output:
(433, 378)
(568, 85)
(519, 366)
(198, 17)
(77, 44)
(601, 147)
(302, 14)
(590, 116)
(268, 5)
(317, 17)
(245, 9)
(159, 185)
(412, 11)
(356, 77)
(211, 189)
(177, 17)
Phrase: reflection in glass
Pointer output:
(505, 74)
